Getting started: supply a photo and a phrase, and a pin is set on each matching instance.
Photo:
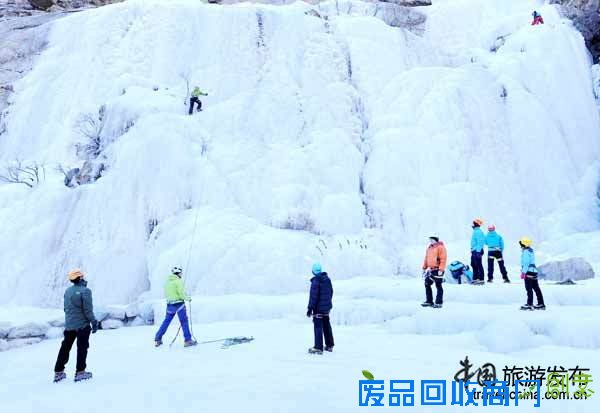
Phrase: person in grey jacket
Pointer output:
(79, 323)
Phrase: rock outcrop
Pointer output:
(586, 17)
(572, 269)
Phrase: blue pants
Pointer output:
(172, 309)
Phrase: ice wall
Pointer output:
(342, 140)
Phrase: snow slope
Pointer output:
(346, 141)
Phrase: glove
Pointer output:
(95, 325)
(441, 273)
(523, 275)
(309, 313)
(188, 299)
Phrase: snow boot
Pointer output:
(60, 376)
(314, 350)
(158, 343)
(427, 304)
(329, 349)
(189, 343)
(527, 307)
(437, 306)
(506, 281)
(490, 281)
(539, 307)
(82, 375)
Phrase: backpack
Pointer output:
(458, 269)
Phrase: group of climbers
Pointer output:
(434, 266)
(80, 321)
(495, 245)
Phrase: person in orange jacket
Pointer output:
(537, 19)
(434, 266)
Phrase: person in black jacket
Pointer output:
(319, 306)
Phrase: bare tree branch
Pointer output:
(29, 175)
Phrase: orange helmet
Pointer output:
(478, 222)
(75, 274)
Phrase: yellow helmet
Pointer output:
(75, 274)
(526, 242)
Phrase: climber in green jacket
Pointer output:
(176, 298)
(195, 99)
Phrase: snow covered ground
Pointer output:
(274, 373)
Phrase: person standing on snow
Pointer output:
(79, 323)
(477, 245)
(529, 273)
(176, 298)
(434, 266)
(195, 99)
(537, 19)
(495, 244)
(319, 305)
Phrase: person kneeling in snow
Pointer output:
(195, 99)
(537, 19)
(458, 269)
(529, 273)
(176, 298)
(319, 306)
(434, 266)
(79, 323)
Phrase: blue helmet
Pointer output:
(316, 268)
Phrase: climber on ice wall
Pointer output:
(195, 99)
(537, 19)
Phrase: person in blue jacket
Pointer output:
(477, 245)
(319, 305)
(529, 273)
(495, 244)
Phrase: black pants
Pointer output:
(496, 255)
(477, 265)
(322, 328)
(439, 296)
(193, 100)
(83, 342)
(531, 285)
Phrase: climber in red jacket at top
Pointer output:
(537, 19)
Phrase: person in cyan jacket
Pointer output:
(320, 304)
(495, 244)
(477, 245)
(529, 273)
(79, 323)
